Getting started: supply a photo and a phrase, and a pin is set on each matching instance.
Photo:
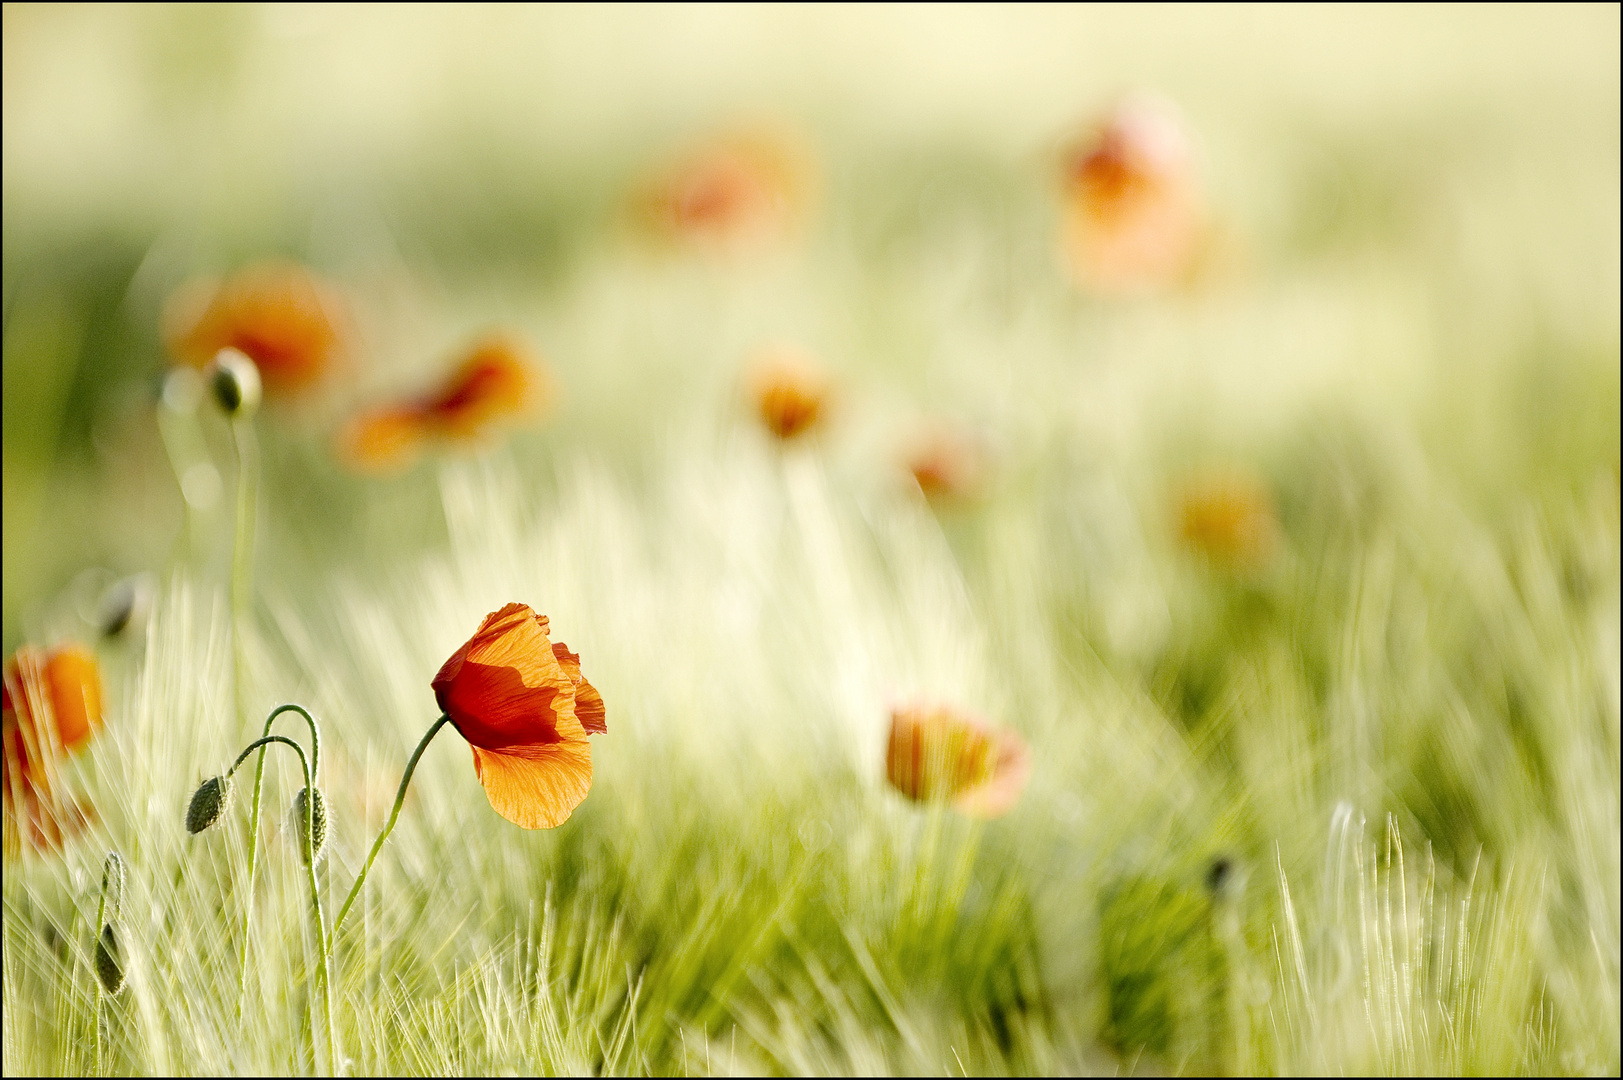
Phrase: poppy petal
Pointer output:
(75, 688)
(937, 753)
(505, 687)
(492, 382)
(998, 795)
(589, 708)
(385, 440)
(276, 313)
(536, 787)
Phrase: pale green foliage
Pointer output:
(741, 892)
(1402, 735)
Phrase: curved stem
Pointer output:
(315, 733)
(253, 830)
(310, 868)
(399, 799)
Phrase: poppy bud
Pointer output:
(208, 804)
(1225, 879)
(124, 606)
(319, 815)
(112, 880)
(234, 380)
(109, 960)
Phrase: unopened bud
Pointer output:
(112, 883)
(109, 960)
(1225, 879)
(319, 814)
(124, 606)
(234, 380)
(208, 804)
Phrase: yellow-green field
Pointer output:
(1344, 802)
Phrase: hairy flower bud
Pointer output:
(208, 804)
(112, 883)
(234, 380)
(319, 814)
(109, 960)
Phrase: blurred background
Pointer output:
(1414, 210)
(1224, 400)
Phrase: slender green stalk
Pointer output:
(310, 867)
(186, 448)
(253, 834)
(394, 815)
(242, 568)
(242, 555)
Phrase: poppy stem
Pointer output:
(394, 815)
(183, 444)
(310, 867)
(253, 834)
(242, 435)
(101, 915)
(242, 556)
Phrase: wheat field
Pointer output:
(1349, 808)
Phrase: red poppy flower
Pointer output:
(282, 318)
(740, 189)
(937, 754)
(52, 705)
(1133, 218)
(948, 463)
(524, 707)
(790, 391)
(496, 382)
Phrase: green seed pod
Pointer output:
(109, 960)
(234, 380)
(320, 815)
(208, 804)
(112, 884)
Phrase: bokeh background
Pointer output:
(1391, 633)
(1421, 209)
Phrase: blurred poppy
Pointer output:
(790, 391)
(1227, 515)
(496, 381)
(937, 754)
(1132, 214)
(947, 463)
(524, 707)
(282, 318)
(52, 705)
(743, 188)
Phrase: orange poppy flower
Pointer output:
(496, 381)
(524, 707)
(282, 318)
(52, 705)
(1133, 218)
(740, 189)
(947, 464)
(791, 392)
(937, 754)
(1228, 517)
